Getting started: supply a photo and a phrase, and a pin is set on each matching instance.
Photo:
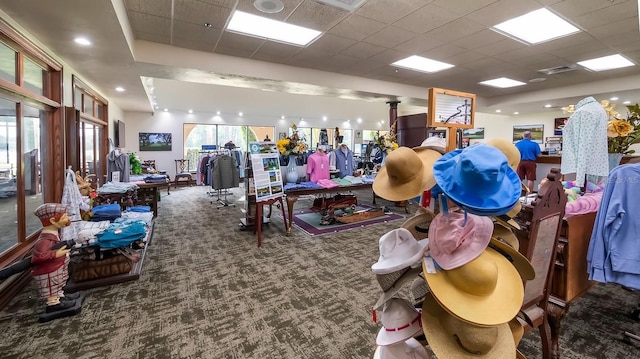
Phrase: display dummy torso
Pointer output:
(318, 166)
(344, 160)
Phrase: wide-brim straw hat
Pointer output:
(409, 349)
(450, 337)
(402, 281)
(486, 291)
(428, 157)
(419, 224)
(387, 281)
(508, 219)
(402, 176)
(508, 148)
(520, 262)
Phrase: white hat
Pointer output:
(398, 249)
(435, 143)
(410, 349)
(400, 321)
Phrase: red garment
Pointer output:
(43, 257)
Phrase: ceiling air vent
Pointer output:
(559, 69)
(349, 5)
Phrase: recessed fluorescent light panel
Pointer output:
(262, 27)
(537, 26)
(606, 63)
(422, 64)
(502, 82)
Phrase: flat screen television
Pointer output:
(120, 134)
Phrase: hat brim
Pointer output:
(444, 344)
(411, 347)
(497, 203)
(508, 148)
(387, 189)
(504, 234)
(428, 157)
(386, 337)
(496, 308)
(404, 279)
(422, 216)
(522, 264)
(392, 265)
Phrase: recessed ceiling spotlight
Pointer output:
(240, 114)
(324, 118)
(613, 99)
(120, 89)
(82, 41)
(269, 6)
(190, 111)
(626, 102)
(218, 113)
(207, 25)
(547, 106)
(516, 113)
(166, 110)
(359, 120)
(498, 110)
(537, 79)
(282, 117)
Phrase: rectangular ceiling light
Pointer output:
(502, 82)
(535, 27)
(262, 27)
(419, 63)
(606, 63)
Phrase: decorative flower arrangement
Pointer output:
(621, 132)
(293, 144)
(134, 162)
(386, 143)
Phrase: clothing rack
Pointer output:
(224, 174)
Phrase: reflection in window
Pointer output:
(8, 168)
(31, 164)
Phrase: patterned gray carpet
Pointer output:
(207, 291)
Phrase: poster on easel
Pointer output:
(265, 163)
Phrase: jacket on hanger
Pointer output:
(225, 173)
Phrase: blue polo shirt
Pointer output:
(529, 150)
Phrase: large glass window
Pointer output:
(7, 63)
(8, 169)
(33, 76)
(31, 165)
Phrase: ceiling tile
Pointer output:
(479, 39)
(191, 32)
(332, 43)
(162, 39)
(386, 12)
(362, 50)
(455, 30)
(500, 47)
(502, 10)
(196, 12)
(573, 8)
(356, 27)
(622, 26)
(464, 58)
(463, 7)
(316, 16)
(419, 44)
(275, 52)
(390, 37)
(235, 44)
(609, 15)
(442, 52)
(150, 24)
(150, 7)
(426, 18)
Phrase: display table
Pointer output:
(546, 162)
(293, 195)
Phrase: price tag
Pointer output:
(429, 265)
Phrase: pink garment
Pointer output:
(584, 204)
(327, 183)
(318, 167)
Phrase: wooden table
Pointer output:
(294, 194)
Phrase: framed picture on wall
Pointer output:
(432, 132)
(154, 141)
(537, 132)
(449, 108)
(558, 125)
(473, 133)
(358, 134)
(282, 135)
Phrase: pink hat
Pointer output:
(453, 242)
(400, 321)
(398, 249)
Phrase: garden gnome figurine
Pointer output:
(50, 261)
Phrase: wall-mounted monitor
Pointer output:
(120, 134)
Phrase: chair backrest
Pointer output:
(182, 166)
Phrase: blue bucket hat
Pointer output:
(478, 179)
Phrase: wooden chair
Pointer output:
(149, 166)
(540, 229)
(182, 173)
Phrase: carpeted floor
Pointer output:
(207, 291)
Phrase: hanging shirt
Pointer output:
(318, 167)
(584, 141)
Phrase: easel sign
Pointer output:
(265, 163)
(451, 109)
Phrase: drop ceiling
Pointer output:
(166, 40)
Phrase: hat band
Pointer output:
(405, 326)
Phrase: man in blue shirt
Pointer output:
(529, 151)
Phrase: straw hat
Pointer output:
(400, 321)
(456, 238)
(387, 281)
(450, 337)
(507, 219)
(409, 349)
(508, 148)
(486, 291)
(404, 279)
(503, 234)
(402, 177)
(428, 157)
(479, 179)
(419, 224)
(419, 290)
(520, 262)
(434, 143)
(398, 249)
